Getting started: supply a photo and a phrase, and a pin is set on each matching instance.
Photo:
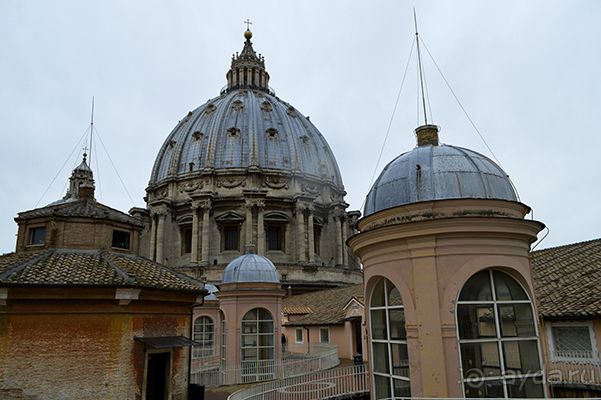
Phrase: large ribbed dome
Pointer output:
(437, 172)
(244, 129)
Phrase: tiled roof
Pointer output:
(80, 208)
(567, 280)
(90, 268)
(325, 306)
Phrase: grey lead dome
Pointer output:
(245, 129)
(433, 172)
(250, 268)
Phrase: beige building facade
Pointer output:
(448, 287)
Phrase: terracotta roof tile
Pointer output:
(80, 208)
(67, 267)
(567, 280)
(326, 305)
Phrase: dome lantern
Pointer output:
(247, 69)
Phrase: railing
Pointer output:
(574, 367)
(318, 385)
(320, 357)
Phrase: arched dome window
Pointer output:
(204, 333)
(257, 346)
(388, 342)
(498, 338)
(223, 340)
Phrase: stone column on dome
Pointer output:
(249, 224)
(194, 252)
(300, 225)
(337, 224)
(260, 228)
(205, 206)
(311, 234)
(344, 227)
(153, 235)
(160, 243)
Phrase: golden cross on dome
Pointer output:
(248, 24)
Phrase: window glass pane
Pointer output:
(266, 340)
(324, 335)
(264, 315)
(475, 321)
(275, 237)
(516, 320)
(521, 357)
(525, 388)
(377, 297)
(249, 327)
(572, 341)
(120, 240)
(249, 340)
(249, 354)
(400, 360)
(299, 335)
(251, 315)
(401, 388)
(396, 317)
(382, 386)
(480, 359)
(482, 389)
(266, 327)
(477, 288)
(378, 324)
(37, 235)
(380, 357)
(394, 297)
(507, 288)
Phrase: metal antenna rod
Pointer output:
(91, 133)
(419, 62)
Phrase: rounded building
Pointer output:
(248, 170)
(449, 298)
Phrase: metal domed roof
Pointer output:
(212, 289)
(250, 268)
(432, 172)
(246, 127)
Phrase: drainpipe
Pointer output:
(308, 340)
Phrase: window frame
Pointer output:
(564, 324)
(185, 235)
(302, 336)
(122, 231)
(257, 368)
(31, 230)
(207, 347)
(281, 230)
(327, 330)
(388, 340)
(225, 227)
(503, 376)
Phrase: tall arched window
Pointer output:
(388, 342)
(498, 338)
(257, 346)
(223, 337)
(204, 333)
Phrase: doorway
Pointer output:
(357, 338)
(157, 376)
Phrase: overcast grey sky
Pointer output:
(528, 72)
